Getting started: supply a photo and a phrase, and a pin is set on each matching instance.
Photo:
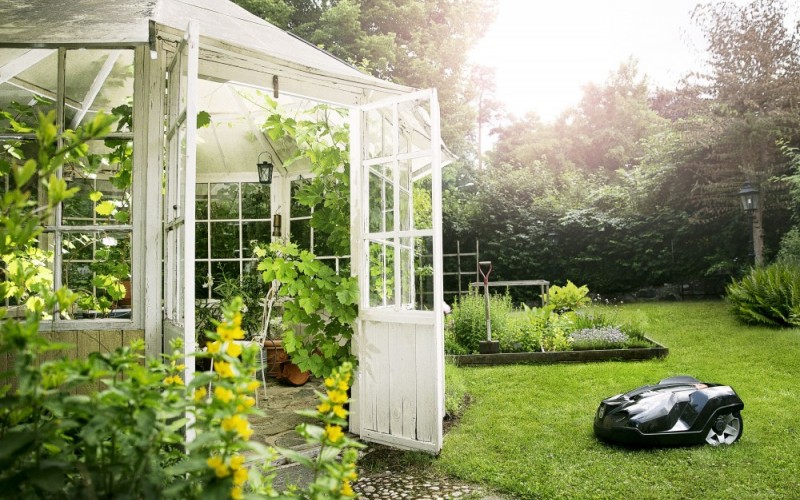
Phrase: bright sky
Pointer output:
(545, 51)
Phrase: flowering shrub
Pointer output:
(115, 424)
(598, 338)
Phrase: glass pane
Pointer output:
(97, 265)
(220, 272)
(224, 240)
(224, 201)
(258, 231)
(296, 209)
(201, 201)
(378, 140)
(381, 198)
(98, 80)
(407, 273)
(422, 205)
(423, 270)
(22, 90)
(406, 207)
(381, 273)
(202, 281)
(255, 201)
(300, 233)
(104, 182)
(414, 124)
(322, 245)
(201, 240)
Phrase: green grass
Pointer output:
(528, 431)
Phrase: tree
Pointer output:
(412, 42)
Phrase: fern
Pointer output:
(767, 295)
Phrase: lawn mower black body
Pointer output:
(678, 411)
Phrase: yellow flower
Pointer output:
(347, 490)
(220, 469)
(343, 386)
(252, 385)
(239, 424)
(329, 383)
(237, 319)
(351, 476)
(339, 411)
(234, 349)
(237, 461)
(324, 407)
(333, 433)
(199, 394)
(223, 394)
(173, 379)
(236, 493)
(224, 369)
(240, 476)
(245, 402)
(214, 347)
(337, 397)
(227, 332)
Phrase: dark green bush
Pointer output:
(768, 295)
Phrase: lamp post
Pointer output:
(751, 204)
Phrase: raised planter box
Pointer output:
(513, 358)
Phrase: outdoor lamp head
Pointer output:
(265, 168)
(749, 197)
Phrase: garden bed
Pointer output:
(512, 358)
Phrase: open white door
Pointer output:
(396, 243)
(180, 118)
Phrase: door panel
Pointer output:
(180, 117)
(399, 339)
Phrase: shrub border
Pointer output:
(511, 358)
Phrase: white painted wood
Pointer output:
(149, 214)
(179, 220)
(400, 350)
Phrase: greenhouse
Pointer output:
(189, 178)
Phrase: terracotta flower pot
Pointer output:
(280, 367)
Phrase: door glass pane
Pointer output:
(220, 272)
(422, 204)
(381, 273)
(423, 269)
(378, 134)
(381, 198)
(407, 273)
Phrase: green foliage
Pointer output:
(468, 318)
(252, 290)
(455, 391)
(323, 303)
(767, 295)
(554, 405)
(112, 425)
(568, 297)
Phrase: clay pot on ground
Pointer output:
(280, 367)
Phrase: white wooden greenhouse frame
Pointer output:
(183, 56)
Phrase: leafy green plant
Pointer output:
(768, 295)
(250, 287)
(112, 425)
(322, 304)
(568, 297)
(468, 321)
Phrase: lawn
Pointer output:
(528, 431)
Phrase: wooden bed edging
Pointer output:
(512, 358)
